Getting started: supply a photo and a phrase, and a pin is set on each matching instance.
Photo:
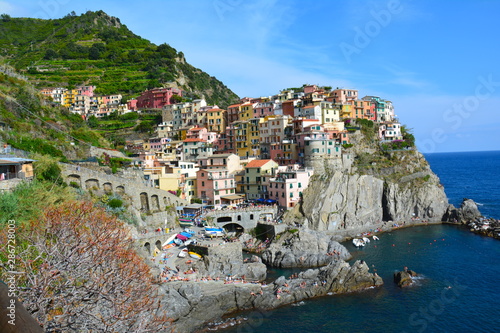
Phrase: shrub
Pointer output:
(115, 203)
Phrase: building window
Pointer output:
(300, 185)
(202, 183)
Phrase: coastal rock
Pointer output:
(467, 212)
(404, 278)
(192, 307)
(349, 203)
(304, 248)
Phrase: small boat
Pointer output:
(178, 242)
(183, 253)
(358, 242)
(170, 239)
(168, 246)
(192, 232)
(375, 238)
(366, 240)
(194, 255)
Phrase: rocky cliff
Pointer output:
(379, 186)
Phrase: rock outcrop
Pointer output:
(348, 203)
(404, 278)
(191, 305)
(304, 248)
(467, 212)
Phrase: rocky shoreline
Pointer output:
(235, 284)
(191, 305)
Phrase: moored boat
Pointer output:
(183, 253)
(358, 242)
(194, 255)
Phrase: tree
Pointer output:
(81, 273)
(50, 54)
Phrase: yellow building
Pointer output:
(254, 136)
(246, 111)
(216, 120)
(241, 134)
(69, 97)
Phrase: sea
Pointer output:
(459, 285)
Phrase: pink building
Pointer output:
(132, 104)
(342, 95)
(263, 109)
(197, 132)
(86, 90)
(157, 98)
(288, 186)
(215, 186)
(310, 88)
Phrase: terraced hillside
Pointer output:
(98, 49)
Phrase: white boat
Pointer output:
(366, 240)
(358, 242)
(183, 253)
(189, 231)
(170, 239)
(375, 237)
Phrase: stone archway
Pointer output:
(75, 180)
(120, 190)
(107, 187)
(155, 203)
(92, 184)
(144, 202)
(234, 227)
(158, 245)
(147, 247)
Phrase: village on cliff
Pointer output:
(260, 149)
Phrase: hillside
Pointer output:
(29, 123)
(97, 49)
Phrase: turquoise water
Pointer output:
(446, 256)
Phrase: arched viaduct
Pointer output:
(247, 218)
(144, 198)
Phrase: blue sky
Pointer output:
(436, 60)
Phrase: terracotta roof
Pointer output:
(194, 140)
(196, 129)
(257, 163)
(234, 105)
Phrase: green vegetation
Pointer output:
(38, 127)
(97, 49)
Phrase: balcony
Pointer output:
(216, 177)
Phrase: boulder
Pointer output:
(467, 212)
(304, 248)
(404, 278)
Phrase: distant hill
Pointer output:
(97, 49)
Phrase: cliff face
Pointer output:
(395, 186)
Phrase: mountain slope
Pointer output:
(97, 49)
